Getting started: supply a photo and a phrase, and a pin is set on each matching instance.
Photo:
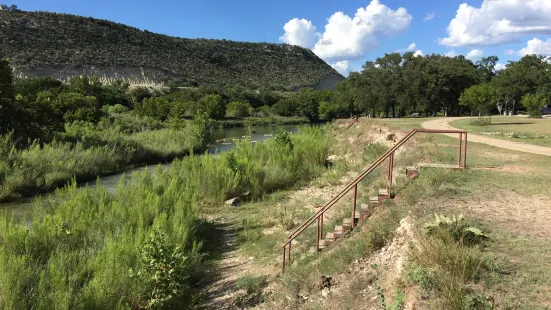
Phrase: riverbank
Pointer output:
(262, 121)
(87, 248)
(85, 152)
(121, 153)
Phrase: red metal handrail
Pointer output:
(461, 164)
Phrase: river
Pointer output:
(224, 142)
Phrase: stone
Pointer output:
(232, 202)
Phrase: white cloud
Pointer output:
(451, 53)
(349, 38)
(411, 47)
(500, 66)
(498, 21)
(300, 32)
(510, 52)
(418, 53)
(474, 54)
(341, 67)
(429, 16)
(536, 46)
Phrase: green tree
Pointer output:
(213, 105)
(155, 107)
(479, 98)
(8, 111)
(530, 75)
(239, 109)
(285, 107)
(534, 103)
(486, 68)
(77, 107)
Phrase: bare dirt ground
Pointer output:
(443, 123)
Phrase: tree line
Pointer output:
(397, 85)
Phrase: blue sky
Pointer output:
(489, 27)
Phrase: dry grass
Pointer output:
(524, 130)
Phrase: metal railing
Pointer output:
(318, 216)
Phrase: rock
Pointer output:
(325, 292)
(232, 202)
(331, 158)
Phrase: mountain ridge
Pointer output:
(64, 45)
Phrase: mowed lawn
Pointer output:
(513, 128)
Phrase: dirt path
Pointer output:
(443, 123)
(221, 289)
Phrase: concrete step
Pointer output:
(383, 195)
(412, 171)
(322, 244)
(329, 238)
(373, 201)
(364, 211)
(339, 231)
(347, 223)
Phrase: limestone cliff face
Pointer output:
(135, 76)
(61, 46)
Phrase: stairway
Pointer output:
(357, 215)
(366, 210)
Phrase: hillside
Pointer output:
(61, 45)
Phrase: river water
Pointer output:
(225, 140)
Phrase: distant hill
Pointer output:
(62, 45)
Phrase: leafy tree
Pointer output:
(156, 107)
(213, 106)
(307, 104)
(479, 98)
(77, 107)
(486, 68)
(329, 111)
(140, 93)
(285, 107)
(238, 109)
(8, 111)
(529, 75)
(534, 103)
(29, 88)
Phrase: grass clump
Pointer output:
(435, 183)
(446, 261)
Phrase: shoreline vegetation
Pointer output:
(143, 246)
(41, 168)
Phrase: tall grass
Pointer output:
(84, 151)
(140, 247)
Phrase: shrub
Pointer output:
(457, 228)
(534, 103)
(239, 109)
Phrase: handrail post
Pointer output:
(459, 151)
(465, 154)
(321, 226)
(318, 237)
(354, 207)
(283, 267)
(390, 168)
(289, 251)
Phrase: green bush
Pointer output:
(534, 103)
(238, 109)
(455, 227)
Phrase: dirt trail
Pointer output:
(221, 291)
(443, 123)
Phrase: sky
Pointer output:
(345, 34)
